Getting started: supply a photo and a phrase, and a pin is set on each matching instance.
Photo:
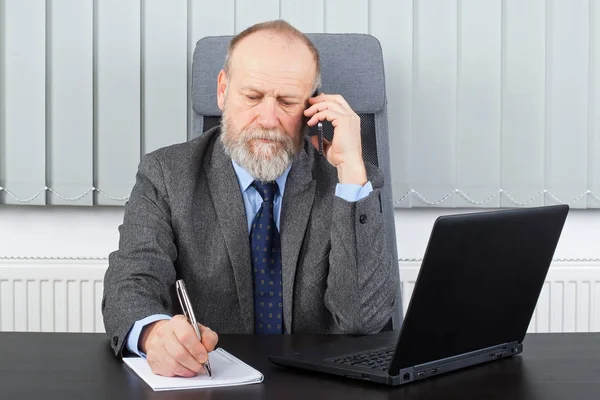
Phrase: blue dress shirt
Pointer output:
(252, 202)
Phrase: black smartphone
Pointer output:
(319, 127)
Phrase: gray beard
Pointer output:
(264, 161)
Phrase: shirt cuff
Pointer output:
(134, 334)
(353, 192)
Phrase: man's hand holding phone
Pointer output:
(345, 150)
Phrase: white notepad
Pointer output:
(227, 370)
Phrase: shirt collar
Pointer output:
(245, 179)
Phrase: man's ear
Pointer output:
(221, 89)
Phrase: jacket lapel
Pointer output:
(229, 206)
(295, 211)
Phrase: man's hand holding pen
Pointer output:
(173, 349)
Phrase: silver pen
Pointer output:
(186, 306)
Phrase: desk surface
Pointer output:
(77, 366)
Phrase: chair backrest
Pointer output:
(351, 65)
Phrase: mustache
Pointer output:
(264, 134)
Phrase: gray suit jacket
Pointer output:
(186, 219)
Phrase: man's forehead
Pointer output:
(262, 52)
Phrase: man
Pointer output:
(268, 235)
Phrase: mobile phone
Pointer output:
(319, 127)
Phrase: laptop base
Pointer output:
(321, 361)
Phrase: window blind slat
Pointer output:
(117, 144)
(346, 16)
(2, 103)
(523, 104)
(165, 73)
(24, 105)
(594, 128)
(567, 99)
(434, 134)
(305, 15)
(397, 46)
(220, 21)
(479, 102)
(70, 137)
(248, 13)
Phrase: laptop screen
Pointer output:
(479, 282)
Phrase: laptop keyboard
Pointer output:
(378, 359)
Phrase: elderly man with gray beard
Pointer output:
(270, 236)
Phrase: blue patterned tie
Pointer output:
(266, 263)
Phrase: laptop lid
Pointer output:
(479, 282)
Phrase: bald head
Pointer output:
(281, 33)
(279, 60)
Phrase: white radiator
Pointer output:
(65, 296)
(51, 295)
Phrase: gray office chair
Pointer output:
(351, 65)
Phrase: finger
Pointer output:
(157, 368)
(154, 357)
(325, 105)
(162, 363)
(317, 98)
(169, 366)
(334, 98)
(328, 115)
(339, 99)
(186, 335)
(209, 337)
(179, 353)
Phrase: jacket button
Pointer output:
(363, 219)
(115, 340)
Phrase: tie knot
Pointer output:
(266, 190)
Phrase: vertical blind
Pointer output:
(491, 103)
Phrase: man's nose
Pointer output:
(267, 114)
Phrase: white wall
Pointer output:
(92, 232)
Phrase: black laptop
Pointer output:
(474, 297)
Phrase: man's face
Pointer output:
(263, 100)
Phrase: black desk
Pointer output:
(82, 366)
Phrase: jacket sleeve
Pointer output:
(141, 272)
(362, 282)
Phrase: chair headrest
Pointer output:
(351, 65)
